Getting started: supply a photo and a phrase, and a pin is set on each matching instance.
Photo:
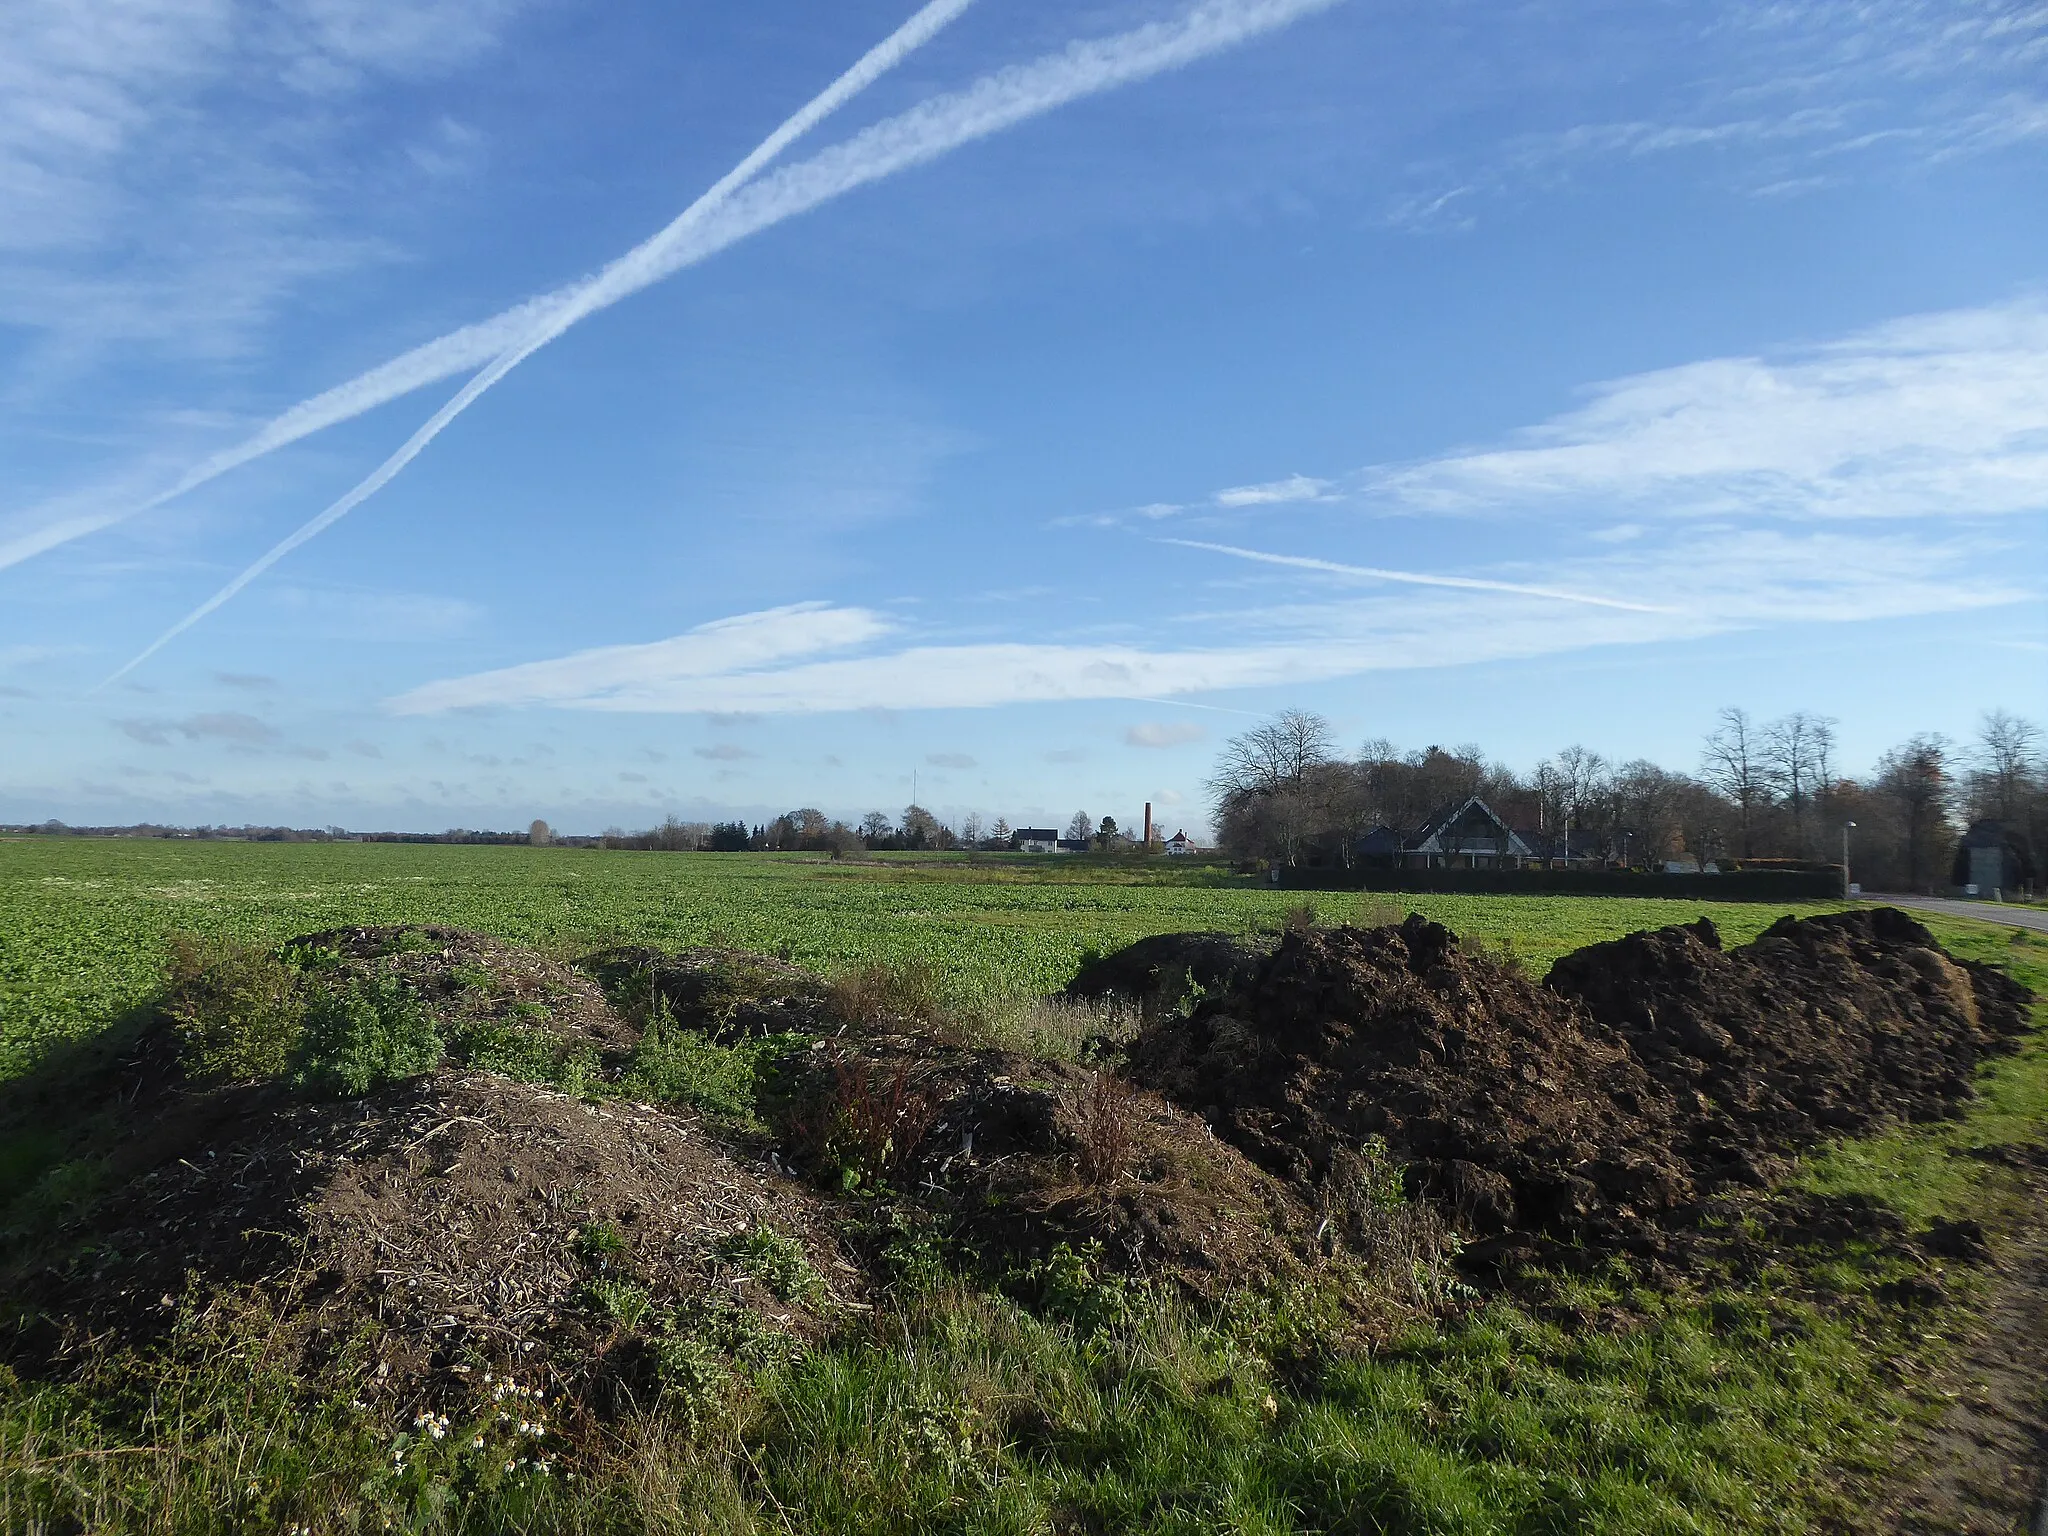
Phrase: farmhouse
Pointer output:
(1035, 840)
(1468, 835)
(1180, 845)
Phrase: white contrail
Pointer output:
(1417, 578)
(519, 332)
(471, 345)
(924, 133)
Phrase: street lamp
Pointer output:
(1847, 827)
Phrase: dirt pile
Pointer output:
(1642, 1076)
(1167, 967)
(481, 1223)
(1016, 1155)
(723, 994)
(470, 986)
(1820, 1027)
(1511, 1108)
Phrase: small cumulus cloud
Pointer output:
(724, 752)
(1164, 733)
(949, 760)
(1273, 492)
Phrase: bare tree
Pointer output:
(875, 828)
(1273, 756)
(1915, 778)
(2004, 763)
(971, 830)
(1794, 753)
(1269, 788)
(920, 828)
(1081, 828)
(1733, 763)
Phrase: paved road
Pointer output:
(2035, 918)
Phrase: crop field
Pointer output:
(752, 1316)
(83, 923)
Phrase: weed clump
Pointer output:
(235, 1008)
(903, 994)
(364, 1036)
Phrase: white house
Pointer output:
(1179, 845)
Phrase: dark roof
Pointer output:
(1034, 834)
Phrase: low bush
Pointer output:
(902, 994)
(364, 1036)
(236, 1008)
(862, 1123)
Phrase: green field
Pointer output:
(82, 922)
(964, 1403)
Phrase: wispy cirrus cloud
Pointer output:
(1942, 415)
(1420, 578)
(623, 673)
(1718, 580)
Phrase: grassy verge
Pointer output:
(1759, 1399)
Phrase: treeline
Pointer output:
(811, 831)
(1763, 790)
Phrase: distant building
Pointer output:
(1180, 845)
(1993, 857)
(1074, 845)
(1035, 840)
(1468, 835)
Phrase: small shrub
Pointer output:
(236, 1009)
(364, 1036)
(1103, 1129)
(902, 994)
(1072, 1287)
(620, 1300)
(528, 1055)
(865, 1123)
(739, 1333)
(695, 1382)
(1302, 917)
(775, 1260)
(674, 1065)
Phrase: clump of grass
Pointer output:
(773, 1258)
(1048, 1028)
(1103, 1129)
(236, 1008)
(674, 1065)
(862, 1123)
(364, 1036)
(900, 994)
(528, 1055)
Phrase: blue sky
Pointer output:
(1091, 380)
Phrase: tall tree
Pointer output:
(1915, 778)
(2004, 763)
(1080, 827)
(1733, 762)
(875, 828)
(1794, 753)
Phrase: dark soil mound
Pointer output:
(483, 1223)
(468, 982)
(1513, 1110)
(1017, 1155)
(1161, 968)
(1646, 1073)
(724, 994)
(1821, 1027)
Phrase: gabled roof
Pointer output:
(1430, 836)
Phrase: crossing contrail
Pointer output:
(489, 339)
(924, 133)
(1416, 578)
